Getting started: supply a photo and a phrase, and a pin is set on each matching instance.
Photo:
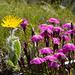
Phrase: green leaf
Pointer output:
(15, 59)
(30, 45)
(17, 48)
(17, 52)
(10, 63)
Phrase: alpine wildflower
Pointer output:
(11, 21)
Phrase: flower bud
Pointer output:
(71, 26)
(32, 29)
(25, 51)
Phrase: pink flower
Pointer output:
(36, 38)
(43, 34)
(68, 26)
(24, 23)
(73, 31)
(58, 29)
(68, 47)
(51, 27)
(46, 50)
(36, 61)
(46, 28)
(50, 58)
(60, 55)
(53, 64)
(53, 20)
(66, 37)
(60, 50)
(48, 33)
(56, 41)
(70, 32)
(42, 25)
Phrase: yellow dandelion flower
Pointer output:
(11, 21)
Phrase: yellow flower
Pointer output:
(11, 21)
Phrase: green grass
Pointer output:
(35, 13)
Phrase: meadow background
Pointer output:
(36, 12)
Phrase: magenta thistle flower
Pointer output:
(53, 20)
(59, 55)
(68, 47)
(46, 50)
(68, 26)
(66, 38)
(56, 41)
(36, 61)
(53, 64)
(50, 58)
(36, 38)
(24, 23)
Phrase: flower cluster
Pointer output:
(57, 46)
(54, 57)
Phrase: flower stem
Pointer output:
(37, 48)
